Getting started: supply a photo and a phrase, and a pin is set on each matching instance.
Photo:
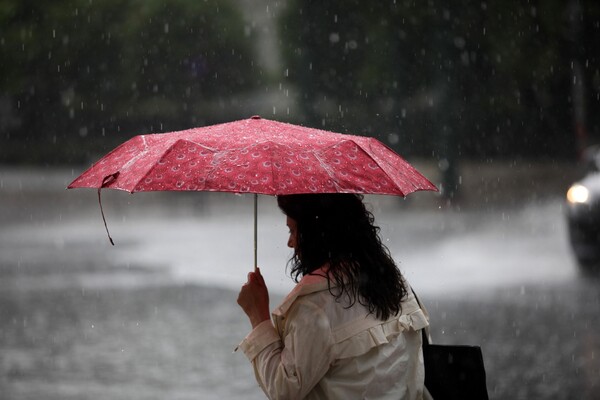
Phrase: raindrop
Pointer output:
(533, 12)
(460, 42)
(443, 164)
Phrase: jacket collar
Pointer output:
(316, 281)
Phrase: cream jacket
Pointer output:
(317, 348)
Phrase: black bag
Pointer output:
(454, 371)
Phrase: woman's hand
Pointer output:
(254, 298)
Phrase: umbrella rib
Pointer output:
(212, 149)
(327, 169)
(139, 155)
(164, 155)
(377, 160)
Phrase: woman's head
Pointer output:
(336, 230)
(328, 227)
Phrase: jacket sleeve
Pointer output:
(291, 368)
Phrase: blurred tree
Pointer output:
(77, 76)
(454, 78)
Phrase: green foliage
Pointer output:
(444, 77)
(77, 74)
(451, 77)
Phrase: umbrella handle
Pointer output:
(255, 232)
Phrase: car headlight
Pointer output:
(578, 194)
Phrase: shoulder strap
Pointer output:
(425, 332)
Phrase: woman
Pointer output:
(351, 327)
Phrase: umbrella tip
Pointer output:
(255, 117)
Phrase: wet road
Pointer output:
(155, 316)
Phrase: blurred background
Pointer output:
(496, 102)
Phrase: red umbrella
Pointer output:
(257, 156)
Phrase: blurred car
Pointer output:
(583, 213)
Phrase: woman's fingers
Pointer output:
(259, 276)
(256, 277)
(254, 298)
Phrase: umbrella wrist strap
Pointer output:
(103, 217)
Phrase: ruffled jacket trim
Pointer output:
(356, 337)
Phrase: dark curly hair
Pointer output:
(337, 230)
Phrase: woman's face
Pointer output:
(293, 239)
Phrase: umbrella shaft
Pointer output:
(255, 231)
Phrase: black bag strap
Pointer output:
(425, 332)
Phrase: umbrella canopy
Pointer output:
(255, 155)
